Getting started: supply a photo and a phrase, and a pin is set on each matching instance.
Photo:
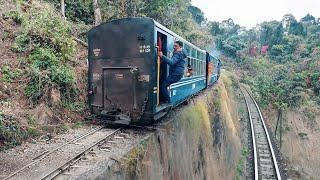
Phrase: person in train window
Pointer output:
(176, 64)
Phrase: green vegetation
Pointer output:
(281, 59)
(178, 15)
(9, 75)
(241, 163)
(134, 157)
(79, 124)
(11, 132)
(49, 44)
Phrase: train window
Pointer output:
(200, 67)
(197, 69)
(187, 48)
(194, 67)
(203, 67)
(189, 69)
(197, 61)
(194, 53)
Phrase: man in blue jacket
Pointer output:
(176, 72)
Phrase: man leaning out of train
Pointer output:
(176, 64)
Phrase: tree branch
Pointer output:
(81, 42)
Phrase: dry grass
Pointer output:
(300, 142)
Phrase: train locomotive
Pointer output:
(125, 71)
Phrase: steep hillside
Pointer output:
(43, 72)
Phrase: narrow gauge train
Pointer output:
(125, 71)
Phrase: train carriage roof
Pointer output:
(177, 36)
(157, 24)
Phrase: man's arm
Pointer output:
(175, 58)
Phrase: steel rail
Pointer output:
(268, 138)
(255, 156)
(74, 159)
(42, 156)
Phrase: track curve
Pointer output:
(265, 162)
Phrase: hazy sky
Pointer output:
(250, 12)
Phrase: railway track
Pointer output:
(50, 164)
(265, 163)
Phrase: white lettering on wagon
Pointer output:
(144, 49)
(96, 77)
(144, 78)
(96, 52)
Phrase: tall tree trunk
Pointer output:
(275, 132)
(63, 12)
(281, 129)
(97, 13)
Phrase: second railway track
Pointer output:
(52, 163)
(265, 164)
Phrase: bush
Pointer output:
(11, 132)
(279, 86)
(8, 74)
(47, 72)
(46, 29)
(16, 16)
(277, 50)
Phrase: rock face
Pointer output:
(200, 142)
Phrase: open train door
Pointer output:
(161, 67)
(161, 74)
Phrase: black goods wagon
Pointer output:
(120, 69)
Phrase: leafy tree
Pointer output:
(171, 13)
(229, 23)
(308, 19)
(296, 28)
(76, 10)
(214, 28)
(313, 30)
(287, 20)
(271, 33)
(197, 14)
(230, 46)
(277, 36)
(290, 43)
